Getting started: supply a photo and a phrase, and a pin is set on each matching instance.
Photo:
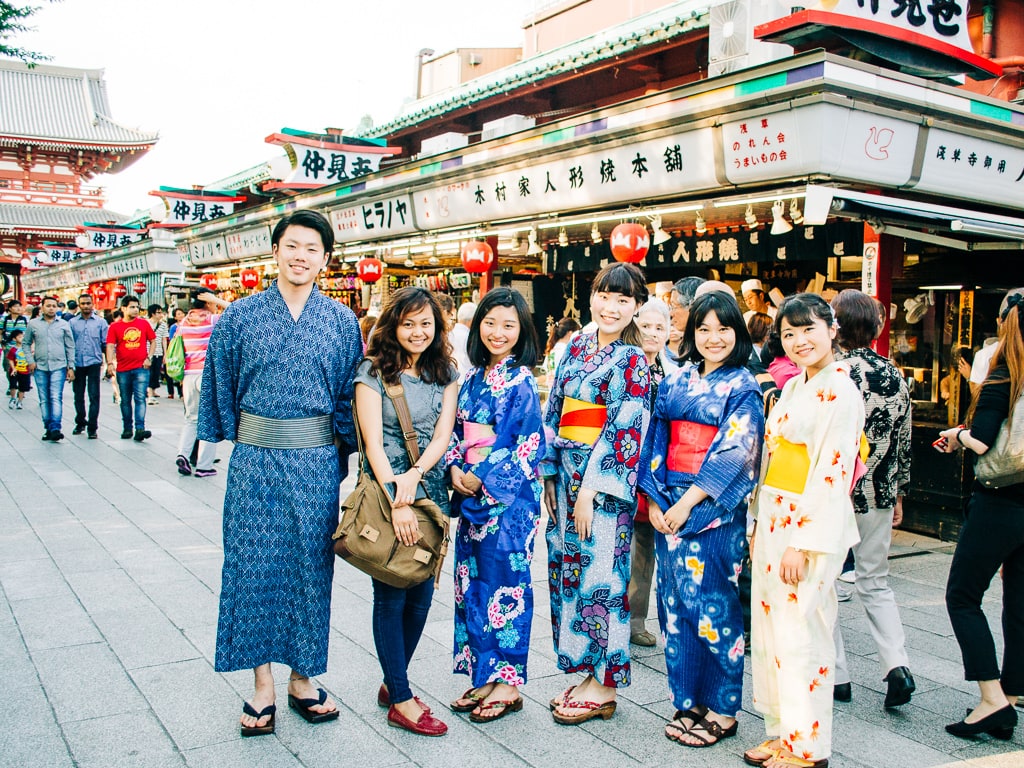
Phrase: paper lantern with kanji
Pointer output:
(629, 242)
(477, 256)
(209, 281)
(100, 292)
(249, 278)
(139, 287)
(120, 291)
(35, 301)
(370, 270)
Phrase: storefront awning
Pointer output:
(960, 228)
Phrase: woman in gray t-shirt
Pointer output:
(407, 346)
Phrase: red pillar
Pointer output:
(890, 253)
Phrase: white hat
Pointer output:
(753, 284)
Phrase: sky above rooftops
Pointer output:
(215, 77)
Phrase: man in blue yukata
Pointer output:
(278, 381)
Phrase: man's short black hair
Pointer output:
(72, 304)
(130, 300)
(310, 220)
(85, 295)
(152, 309)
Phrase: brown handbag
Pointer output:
(365, 537)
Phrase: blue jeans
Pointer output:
(50, 385)
(399, 616)
(133, 384)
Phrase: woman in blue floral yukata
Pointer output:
(700, 461)
(494, 458)
(597, 414)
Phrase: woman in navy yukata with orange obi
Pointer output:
(596, 418)
(701, 459)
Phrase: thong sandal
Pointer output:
(504, 708)
(561, 699)
(591, 709)
(474, 697)
(679, 719)
(711, 728)
(780, 759)
(258, 730)
(305, 707)
(767, 748)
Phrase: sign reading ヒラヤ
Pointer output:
(374, 218)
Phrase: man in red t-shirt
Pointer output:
(130, 341)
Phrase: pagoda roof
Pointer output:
(649, 29)
(52, 218)
(61, 108)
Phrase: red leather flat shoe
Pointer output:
(384, 699)
(427, 725)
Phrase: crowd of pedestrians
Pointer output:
(738, 468)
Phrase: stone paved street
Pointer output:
(109, 575)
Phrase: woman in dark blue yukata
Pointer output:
(494, 458)
(408, 346)
(701, 459)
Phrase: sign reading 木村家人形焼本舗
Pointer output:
(924, 37)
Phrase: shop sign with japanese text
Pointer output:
(93, 240)
(321, 166)
(185, 211)
(211, 251)
(247, 243)
(629, 172)
(971, 168)
(942, 20)
(374, 218)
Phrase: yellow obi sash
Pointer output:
(581, 421)
(478, 440)
(788, 467)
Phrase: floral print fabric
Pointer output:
(588, 579)
(495, 538)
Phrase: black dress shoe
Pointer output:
(999, 724)
(78, 430)
(142, 434)
(92, 435)
(48, 435)
(842, 692)
(901, 686)
(126, 434)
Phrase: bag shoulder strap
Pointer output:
(396, 393)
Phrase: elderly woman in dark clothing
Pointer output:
(992, 538)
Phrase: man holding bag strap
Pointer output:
(278, 382)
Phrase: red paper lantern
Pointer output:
(477, 256)
(139, 287)
(209, 281)
(35, 301)
(370, 270)
(120, 291)
(629, 242)
(249, 278)
(100, 292)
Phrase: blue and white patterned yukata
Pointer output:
(281, 506)
(698, 567)
(495, 539)
(588, 579)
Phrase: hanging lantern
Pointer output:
(209, 281)
(249, 278)
(370, 270)
(139, 287)
(477, 256)
(120, 291)
(100, 292)
(35, 301)
(629, 242)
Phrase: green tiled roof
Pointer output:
(643, 31)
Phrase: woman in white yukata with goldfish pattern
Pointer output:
(805, 525)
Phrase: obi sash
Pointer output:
(788, 467)
(688, 445)
(477, 442)
(581, 421)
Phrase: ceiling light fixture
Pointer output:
(595, 234)
(533, 249)
(795, 214)
(563, 238)
(779, 224)
(700, 226)
(660, 235)
(751, 218)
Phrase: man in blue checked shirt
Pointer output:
(90, 332)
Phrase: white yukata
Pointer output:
(811, 441)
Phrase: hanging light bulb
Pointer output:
(795, 213)
(700, 226)
(408, 263)
(751, 218)
(660, 235)
(779, 224)
(595, 234)
(533, 249)
(563, 237)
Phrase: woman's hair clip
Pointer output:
(1012, 301)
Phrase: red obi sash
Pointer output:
(688, 445)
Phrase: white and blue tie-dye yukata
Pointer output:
(705, 431)
(281, 505)
(589, 579)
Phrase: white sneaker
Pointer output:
(18, 406)
(11, 402)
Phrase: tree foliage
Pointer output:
(12, 23)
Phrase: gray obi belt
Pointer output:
(311, 432)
